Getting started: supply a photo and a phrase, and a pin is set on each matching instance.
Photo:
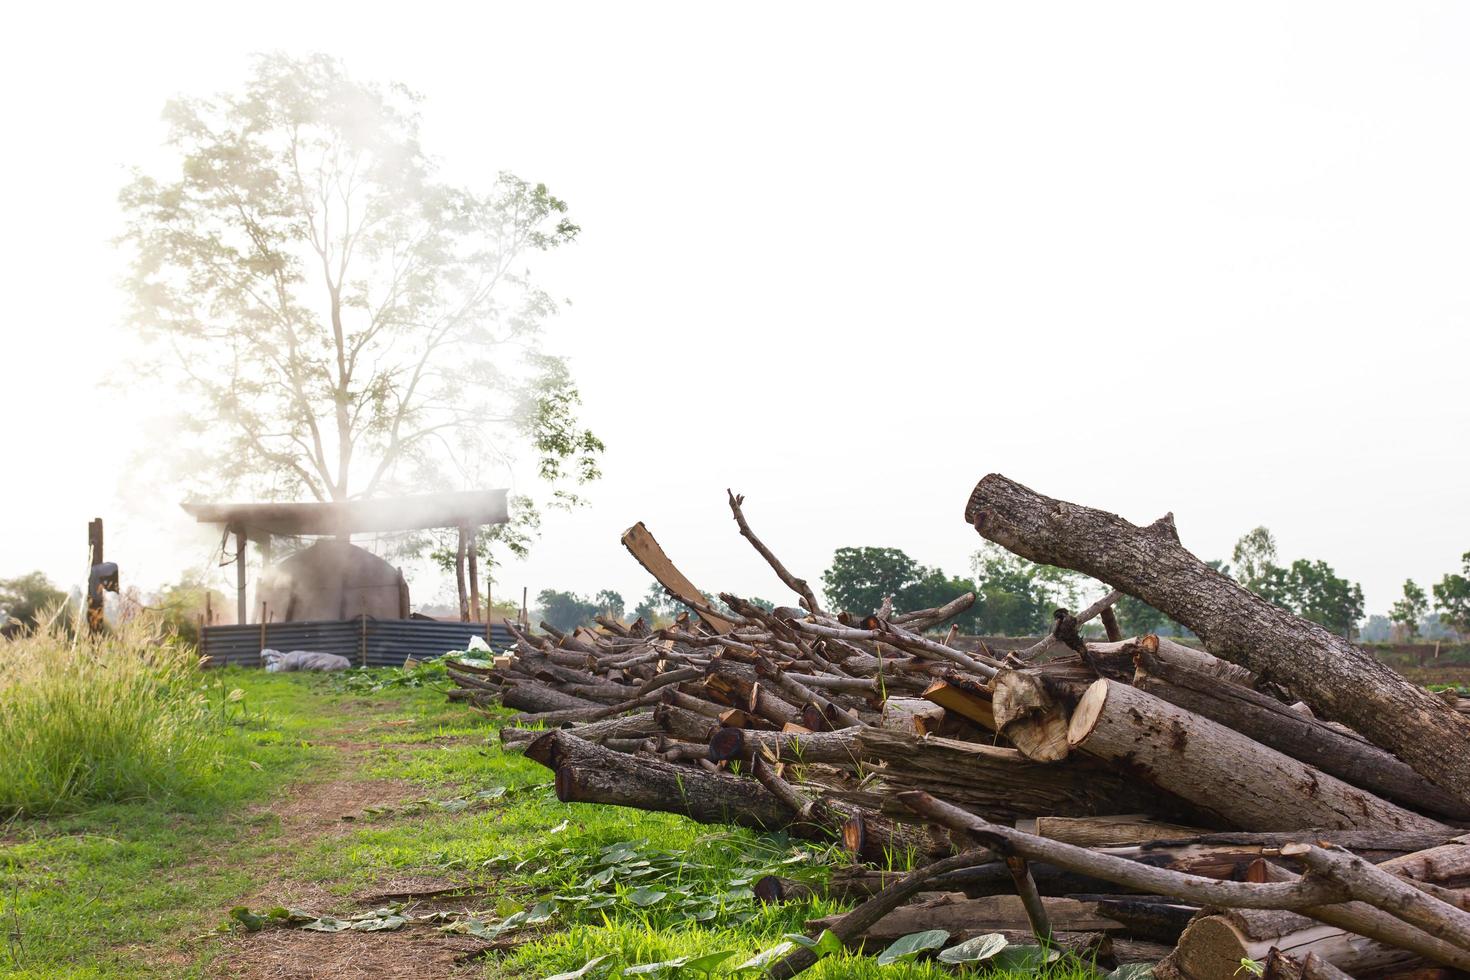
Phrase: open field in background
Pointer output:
(331, 793)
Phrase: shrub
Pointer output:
(88, 720)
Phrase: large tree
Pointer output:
(1452, 597)
(24, 599)
(1254, 557)
(1411, 609)
(1018, 597)
(343, 322)
(860, 578)
(1312, 590)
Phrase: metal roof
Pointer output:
(465, 508)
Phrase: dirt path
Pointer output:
(326, 806)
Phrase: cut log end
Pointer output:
(1085, 715)
(727, 743)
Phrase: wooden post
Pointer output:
(94, 588)
(241, 611)
(262, 625)
(464, 600)
(474, 561)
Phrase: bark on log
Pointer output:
(1105, 831)
(587, 773)
(1002, 782)
(964, 917)
(1340, 681)
(533, 697)
(1282, 966)
(1327, 900)
(1222, 771)
(1306, 739)
(1443, 864)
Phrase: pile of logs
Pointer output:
(1283, 798)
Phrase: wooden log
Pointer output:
(1220, 770)
(911, 715)
(854, 923)
(964, 917)
(1435, 916)
(530, 696)
(587, 773)
(1028, 716)
(1002, 782)
(639, 725)
(1446, 863)
(964, 697)
(869, 835)
(1283, 966)
(1325, 899)
(1330, 748)
(643, 547)
(1214, 946)
(1340, 681)
(1133, 828)
(859, 882)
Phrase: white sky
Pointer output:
(848, 259)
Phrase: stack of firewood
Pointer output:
(1282, 798)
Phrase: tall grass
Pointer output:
(87, 720)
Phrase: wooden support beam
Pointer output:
(242, 611)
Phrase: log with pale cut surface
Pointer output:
(1336, 751)
(1220, 770)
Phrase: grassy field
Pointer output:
(330, 793)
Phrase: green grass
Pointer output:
(76, 891)
(97, 720)
(137, 888)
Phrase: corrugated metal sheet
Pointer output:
(364, 641)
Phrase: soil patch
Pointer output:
(279, 954)
(309, 811)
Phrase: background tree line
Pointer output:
(1014, 597)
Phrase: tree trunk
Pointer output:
(1220, 770)
(474, 567)
(464, 599)
(1306, 739)
(1340, 681)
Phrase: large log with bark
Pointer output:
(1340, 681)
(1333, 749)
(589, 773)
(1220, 770)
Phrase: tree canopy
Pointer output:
(344, 322)
(1310, 589)
(1410, 610)
(24, 598)
(860, 578)
(1452, 597)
